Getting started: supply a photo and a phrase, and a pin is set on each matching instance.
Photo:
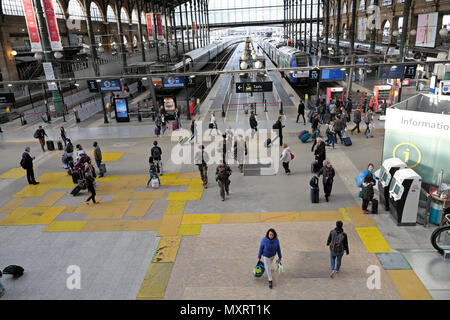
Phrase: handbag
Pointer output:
(292, 156)
(280, 268)
(211, 125)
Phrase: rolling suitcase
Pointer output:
(75, 177)
(157, 131)
(314, 167)
(267, 143)
(347, 141)
(174, 125)
(60, 145)
(302, 133)
(76, 190)
(50, 145)
(305, 137)
(374, 206)
(314, 194)
(102, 168)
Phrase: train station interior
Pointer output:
(278, 91)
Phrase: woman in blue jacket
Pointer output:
(268, 248)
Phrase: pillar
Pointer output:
(187, 26)
(300, 44)
(192, 26)
(138, 8)
(310, 25)
(405, 31)
(174, 30)
(306, 10)
(327, 23)
(8, 66)
(182, 29)
(318, 25)
(296, 24)
(118, 5)
(155, 30)
(167, 30)
(373, 31)
(338, 26)
(207, 21)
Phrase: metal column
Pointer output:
(202, 26)
(338, 26)
(352, 48)
(182, 29)
(167, 30)
(318, 26)
(373, 30)
(196, 24)
(404, 34)
(310, 26)
(192, 27)
(300, 44)
(327, 23)
(139, 29)
(296, 23)
(118, 5)
(155, 31)
(306, 11)
(207, 21)
(174, 30)
(187, 26)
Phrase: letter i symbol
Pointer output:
(407, 155)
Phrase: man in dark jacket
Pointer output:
(338, 243)
(349, 108)
(314, 123)
(253, 122)
(156, 153)
(98, 157)
(328, 177)
(301, 111)
(40, 135)
(27, 164)
(320, 153)
(279, 126)
(356, 120)
(367, 192)
(338, 127)
(223, 173)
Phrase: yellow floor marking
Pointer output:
(358, 218)
(122, 225)
(189, 229)
(175, 207)
(167, 249)
(169, 225)
(12, 204)
(279, 216)
(14, 173)
(195, 187)
(345, 216)
(184, 196)
(200, 218)
(409, 285)
(33, 191)
(110, 157)
(107, 178)
(240, 218)
(155, 281)
(108, 210)
(140, 208)
(195, 181)
(56, 180)
(175, 182)
(373, 240)
(23, 216)
(193, 175)
(15, 216)
(142, 195)
(51, 198)
(72, 209)
(320, 216)
(65, 226)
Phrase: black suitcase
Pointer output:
(314, 167)
(50, 145)
(16, 271)
(347, 141)
(267, 143)
(60, 145)
(75, 177)
(314, 194)
(374, 206)
(76, 190)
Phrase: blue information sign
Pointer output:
(110, 85)
(173, 82)
(391, 72)
(121, 106)
(331, 75)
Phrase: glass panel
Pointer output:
(12, 7)
(143, 18)
(96, 14)
(134, 18)
(124, 16)
(58, 10)
(75, 10)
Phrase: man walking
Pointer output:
(253, 123)
(201, 160)
(27, 164)
(240, 151)
(338, 243)
(320, 153)
(368, 119)
(301, 111)
(98, 158)
(156, 153)
(356, 120)
(279, 126)
(40, 135)
(223, 173)
(328, 177)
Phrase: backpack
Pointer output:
(314, 182)
(258, 269)
(15, 271)
(156, 153)
(22, 163)
(337, 243)
(223, 174)
(36, 134)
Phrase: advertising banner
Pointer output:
(173, 82)
(420, 139)
(426, 29)
(193, 27)
(33, 32)
(159, 29)
(149, 17)
(49, 75)
(52, 25)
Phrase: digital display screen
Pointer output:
(121, 108)
(410, 71)
(92, 86)
(332, 75)
(391, 72)
(397, 189)
(173, 82)
(110, 85)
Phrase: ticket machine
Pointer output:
(444, 87)
(337, 92)
(387, 171)
(380, 94)
(404, 192)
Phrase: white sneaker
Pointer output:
(332, 273)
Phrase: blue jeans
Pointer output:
(163, 128)
(333, 257)
(330, 139)
(151, 176)
(179, 122)
(367, 129)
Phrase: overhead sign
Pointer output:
(92, 86)
(33, 32)
(314, 75)
(410, 72)
(150, 26)
(190, 82)
(52, 25)
(300, 74)
(331, 75)
(173, 82)
(110, 85)
(7, 98)
(390, 72)
(49, 75)
(243, 87)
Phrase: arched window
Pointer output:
(58, 10)
(345, 31)
(12, 7)
(75, 10)
(134, 17)
(110, 15)
(143, 18)
(344, 7)
(124, 16)
(96, 14)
